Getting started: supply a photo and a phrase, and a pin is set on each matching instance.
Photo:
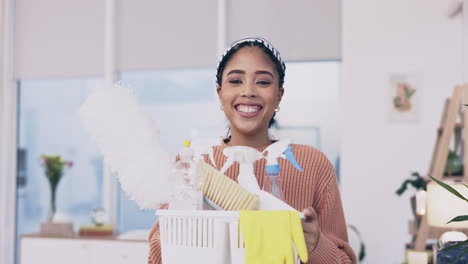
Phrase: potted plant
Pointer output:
(461, 218)
(415, 180)
(417, 200)
(454, 165)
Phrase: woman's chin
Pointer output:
(248, 130)
(254, 126)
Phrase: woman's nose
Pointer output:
(249, 90)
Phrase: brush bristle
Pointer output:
(223, 191)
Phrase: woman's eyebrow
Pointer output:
(257, 72)
(265, 72)
(235, 71)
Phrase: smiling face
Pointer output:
(250, 92)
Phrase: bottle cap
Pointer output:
(186, 152)
(272, 168)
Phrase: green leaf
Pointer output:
(461, 244)
(415, 180)
(448, 188)
(406, 90)
(362, 246)
(459, 218)
(355, 230)
(362, 252)
(402, 188)
(409, 92)
(397, 102)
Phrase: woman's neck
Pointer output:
(254, 141)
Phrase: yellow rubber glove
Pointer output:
(268, 237)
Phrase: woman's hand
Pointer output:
(164, 206)
(311, 229)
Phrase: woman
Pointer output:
(250, 80)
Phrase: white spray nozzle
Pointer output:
(280, 149)
(240, 154)
(245, 156)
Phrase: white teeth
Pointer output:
(248, 108)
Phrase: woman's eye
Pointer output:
(235, 81)
(263, 82)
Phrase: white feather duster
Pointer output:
(128, 138)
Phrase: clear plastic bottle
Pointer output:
(186, 195)
(272, 182)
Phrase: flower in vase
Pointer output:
(54, 167)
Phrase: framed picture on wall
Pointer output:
(404, 97)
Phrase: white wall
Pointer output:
(382, 38)
(311, 99)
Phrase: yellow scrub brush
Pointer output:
(225, 193)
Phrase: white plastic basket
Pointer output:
(210, 237)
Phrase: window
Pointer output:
(182, 103)
(49, 124)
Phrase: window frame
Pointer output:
(8, 135)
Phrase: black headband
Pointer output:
(260, 40)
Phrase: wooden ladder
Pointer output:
(449, 128)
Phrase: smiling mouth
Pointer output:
(248, 108)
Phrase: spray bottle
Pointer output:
(186, 195)
(272, 182)
(246, 156)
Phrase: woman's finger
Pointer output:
(310, 214)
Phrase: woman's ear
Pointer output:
(280, 94)
(218, 90)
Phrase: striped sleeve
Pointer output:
(154, 256)
(333, 247)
